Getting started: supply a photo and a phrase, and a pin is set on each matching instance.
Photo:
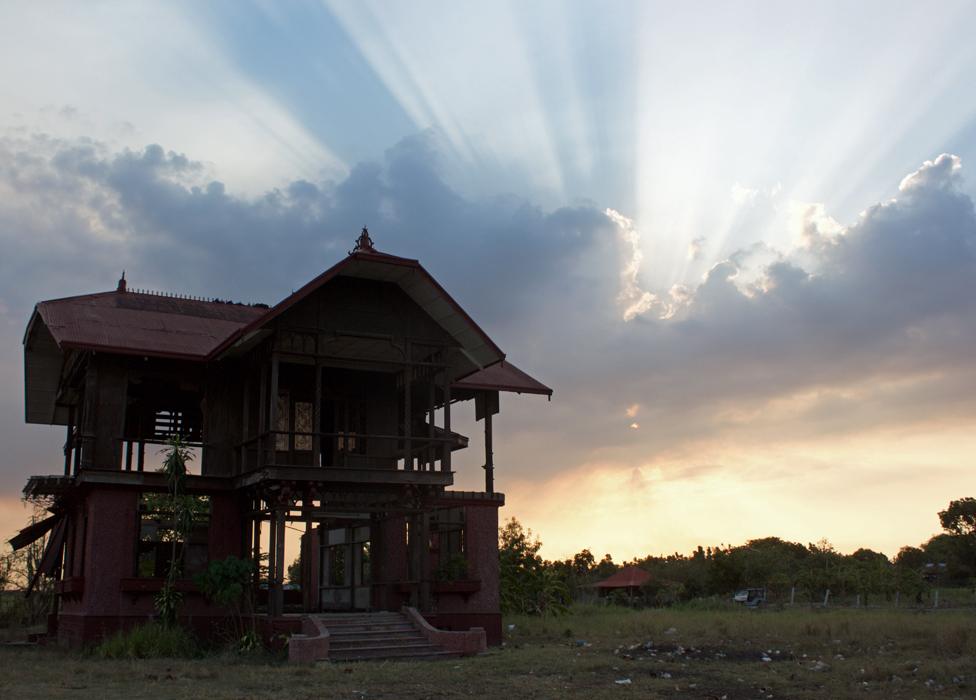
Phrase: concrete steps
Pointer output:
(373, 636)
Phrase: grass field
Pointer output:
(592, 652)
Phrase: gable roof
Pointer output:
(413, 279)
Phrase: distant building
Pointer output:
(629, 579)
(330, 412)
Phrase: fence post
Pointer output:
(935, 601)
(826, 598)
(857, 601)
(792, 594)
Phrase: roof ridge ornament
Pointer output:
(364, 244)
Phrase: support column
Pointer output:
(407, 417)
(431, 403)
(272, 560)
(446, 455)
(278, 592)
(489, 457)
(317, 418)
(262, 416)
(423, 542)
(273, 408)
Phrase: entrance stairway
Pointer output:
(377, 635)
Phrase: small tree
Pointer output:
(176, 456)
(227, 583)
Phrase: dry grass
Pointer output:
(692, 653)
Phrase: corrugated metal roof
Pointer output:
(144, 324)
(503, 376)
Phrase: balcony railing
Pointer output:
(349, 449)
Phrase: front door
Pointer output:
(345, 572)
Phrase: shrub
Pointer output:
(150, 641)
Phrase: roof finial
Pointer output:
(363, 244)
(121, 287)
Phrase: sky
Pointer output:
(737, 239)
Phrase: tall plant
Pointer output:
(175, 458)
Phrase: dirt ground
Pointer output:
(606, 653)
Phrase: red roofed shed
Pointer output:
(630, 578)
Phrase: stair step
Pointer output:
(400, 654)
(383, 641)
(366, 636)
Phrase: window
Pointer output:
(303, 424)
(159, 541)
(448, 543)
(283, 424)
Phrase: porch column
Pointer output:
(273, 408)
(446, 455)
(423, 542)
(276, 597)
(489, 457)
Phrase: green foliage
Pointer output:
(454, 569)
(960, 517)
(226, 580)
(227, 583)
(150, 641)
(294, 574)
(176, 456)
(527, 585)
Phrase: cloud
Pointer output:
(858, 329)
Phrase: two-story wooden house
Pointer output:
(329, 413)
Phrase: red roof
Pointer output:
(144, 324)
(627, 577)
(503, 376)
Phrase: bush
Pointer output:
(150, 641)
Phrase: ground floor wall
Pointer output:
(100, 592)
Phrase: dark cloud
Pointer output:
(868, 325)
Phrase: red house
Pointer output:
(329, 412)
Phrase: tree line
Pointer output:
(533, 585)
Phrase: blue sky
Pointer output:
(726, 233)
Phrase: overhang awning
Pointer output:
(502, 376)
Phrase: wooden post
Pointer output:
(423, 542)
(277, 593)
(262, 414)
(257, 546)
(67, 447)
(935, 600)
(431, 402)
(317, 417)
(489, 457)
(272, 561)
(273, 408)
(413, 559)
(407, 418)
(826, 598)
(446, 458)
(792, 594)
(245, 423)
